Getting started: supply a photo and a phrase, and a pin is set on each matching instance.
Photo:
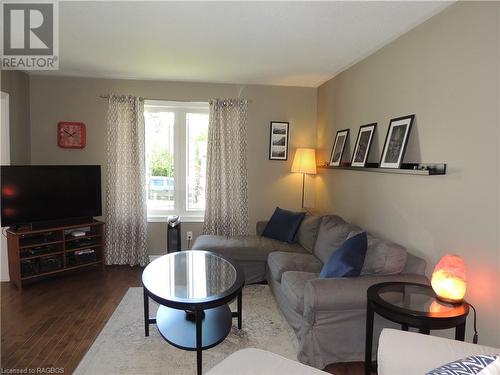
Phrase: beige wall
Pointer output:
(446, 71)
(16, 84)
(55, 99)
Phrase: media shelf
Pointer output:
(71, 249)
(44, 252)
(41, 255)
(35, 242)
(70, 238)
(59, 271)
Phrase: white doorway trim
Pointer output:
(5, 133)
(4, 160)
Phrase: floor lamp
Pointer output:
(304, 162)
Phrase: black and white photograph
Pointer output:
(363, 144)
(278, 142)
(278, 153)
(396, 141)
(338, 147)
(279, 130)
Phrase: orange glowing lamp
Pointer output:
(448, 279)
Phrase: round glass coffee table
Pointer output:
(411, 305)
(193, 289)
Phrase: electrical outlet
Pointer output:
(189, 235)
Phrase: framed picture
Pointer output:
(338, 147)
(396, 141)
(278, 141)
(363, 144)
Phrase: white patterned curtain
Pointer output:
(126, 216)
(226, 211)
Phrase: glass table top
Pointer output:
(415, 298)
(189, 275)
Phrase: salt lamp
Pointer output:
(448, 279)
(437, 307)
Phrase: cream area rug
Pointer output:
(122, 348)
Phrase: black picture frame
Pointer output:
(363, 145)
(338, 149)
(396, 142)
(278, 140)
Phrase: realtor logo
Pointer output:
(30, 37)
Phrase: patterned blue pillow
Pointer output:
(474, 365)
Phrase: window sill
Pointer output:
(184, 219)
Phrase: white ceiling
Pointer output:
(278, 43)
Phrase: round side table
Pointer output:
(411, 305)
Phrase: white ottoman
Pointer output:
(411, 353)
(260, 362)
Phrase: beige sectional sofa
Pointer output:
(328, 315)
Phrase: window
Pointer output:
(176, 155)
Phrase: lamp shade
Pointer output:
(448, 278)
(304, 161)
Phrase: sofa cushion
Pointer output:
(248, 248)
(293, 284)
(308, 231)
(279, 262)
(283, 225)
(332, 233)
(348, 259)
(383, 257)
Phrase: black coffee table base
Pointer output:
(209, 328)
(181, 332)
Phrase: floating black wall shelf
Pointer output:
(422, 169)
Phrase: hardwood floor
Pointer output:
(52, 323)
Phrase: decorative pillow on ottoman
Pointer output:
(283, 225)
(474, 365)
(348, 259)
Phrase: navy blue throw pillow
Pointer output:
(283, 225)
(348, 259)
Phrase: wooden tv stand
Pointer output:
(44, 252)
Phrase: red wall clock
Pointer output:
(71, 135)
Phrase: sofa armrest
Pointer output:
(260, 226)
(398, 350)
(347, 293)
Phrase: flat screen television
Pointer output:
(37, 195)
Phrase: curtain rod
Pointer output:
(107, 97)
(142, 99)
(163, 100)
